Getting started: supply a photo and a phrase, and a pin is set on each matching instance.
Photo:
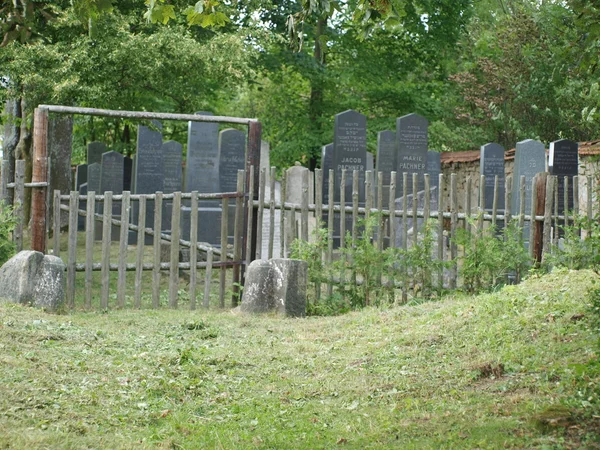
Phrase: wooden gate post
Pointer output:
(539, 210)
(40, 177)
(252, 160)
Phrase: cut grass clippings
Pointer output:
(492, 371)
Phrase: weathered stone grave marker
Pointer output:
(491, 164)
(386, 161)
(564, 161)
(111, 179)
(94, 152)
(530, 159)
(412, 143)
(350, 152)
(172, 178)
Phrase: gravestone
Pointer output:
(60, 133)
(350, 152)
(386, 161)
(148, 174)
(202, 162)
(80, 175)
(530, 159)
(564, 161)
(93, 178)
(172, 178)
(127, 173)
(95, 151)
(434, 168)
(232, 157)
(111, 179)
(412, 145)
(491, 164)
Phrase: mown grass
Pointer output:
(500, 370)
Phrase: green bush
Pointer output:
(7, 226)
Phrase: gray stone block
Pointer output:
(276, 285)
(35, 279)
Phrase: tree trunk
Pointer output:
(12, 133)
(23, 151)
(316, 88)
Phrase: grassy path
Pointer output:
(494, 371)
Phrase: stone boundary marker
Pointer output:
(32, 278)
(276, 286)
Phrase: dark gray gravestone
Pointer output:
(60, 134)
(434, 168)
(172, 181)
(530, 159)
(491, 163)
(232, 151)
(412, 143)
(202, 163)
(148, 173)
(95, 151)
(93, 178)
(326, 165)
(111, 179)
(232, 148)
(80, 175)
(127, 173)
(564, 161)
(386, 161)
(82, 205)
(350, 152)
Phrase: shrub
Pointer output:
(7, 226)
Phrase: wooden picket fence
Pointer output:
(293, 221)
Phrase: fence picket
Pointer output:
(250, 209)
(304, 207)
(453, 227)
(440, 248)
(90, 225)
(174, 256)
(237, 235)
(106, 241)
(123, 236)
(224, 228)
(495, 202)
(140, 251)
(282, 214)
(72, 247)
(330, 216)
(261, 208)
(550, 184)
(194, 247)
(342, 211)
(392, 225)
(158, 202)
(271, 212)
(208, 275)
(56, 223)
(533, 213)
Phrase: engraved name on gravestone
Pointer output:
(148, 172)
(564, 161)
(172, 178)
(492, 164)
(412, 143)
(386, 161)
(202, 163)
(232, 157)
(111, 179)
(530, 159)
(326, 165)
(350, 152)
(95, 151)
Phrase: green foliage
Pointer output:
(489, 257)
(7, 226)
(575, 252)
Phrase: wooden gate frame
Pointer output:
(40, 168)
